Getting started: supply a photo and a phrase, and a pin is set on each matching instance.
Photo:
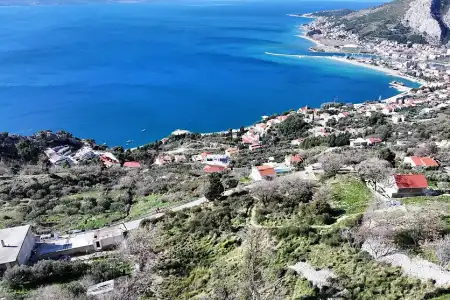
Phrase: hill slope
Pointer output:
(403, 20)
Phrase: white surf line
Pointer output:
(286, 55)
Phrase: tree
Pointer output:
(388, 155)
(27, 151)
(141, 246)
(428, 149)
(257, 254)
(265, 191)
(215, 188)
(331, 163)
(373, 170)
(443, 251)
(293, 127)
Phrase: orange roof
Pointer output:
(424, 161)
(213, 169)
(296, 158)
(132, 164)
(266, 171)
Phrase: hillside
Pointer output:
(402, 20)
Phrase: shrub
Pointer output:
(49, 271)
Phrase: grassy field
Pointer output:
(426, 200)
(147, 204)
(350, 194)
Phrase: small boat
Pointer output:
(143, 130)
(129, 141)
(397, 83)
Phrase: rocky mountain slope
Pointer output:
(402, 20)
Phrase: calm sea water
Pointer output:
(109, 70)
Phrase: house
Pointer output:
(179, 158)
(292, 160)
(405, 185)
(231, 151)
(282, 169)
(109, 159)
(260, 128)
(217, 159)
(263, 172)
(250, 138)
(16, 246)
(416, 161)
(132, 164)
(54, 157)
(374, 141)
(163, 160)
(255, 146)
(85, 153)
(282, 118)
(214, 169)
(297, 142)
(358, 143)
(81, 243)
(201, 157)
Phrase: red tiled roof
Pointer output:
(296, 158)
(132, 164)
(266, 171)
(213, 169)
(410, 181)
(375, 140)
(424, 161)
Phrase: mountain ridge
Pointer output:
(417, 21)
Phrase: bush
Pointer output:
(49, 271)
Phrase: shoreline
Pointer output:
(382, 69)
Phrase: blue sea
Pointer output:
(108, 70)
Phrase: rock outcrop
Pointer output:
(401, 20)
(430, 18)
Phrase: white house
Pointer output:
(217, 159)
(16, 245)
(82, 243)
(54, 157)
(358, 143)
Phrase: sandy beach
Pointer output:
(377, 68)
(304, 36)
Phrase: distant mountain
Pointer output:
(402, 20)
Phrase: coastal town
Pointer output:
(341, 201)
(424, 63)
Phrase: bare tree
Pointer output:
(323, 193)
(54, 292)
(265, 191)
(380, 232)
(428, 149)
(140, 246)
(295, 187)
(376, 235)
(257, 253)
(332, 163)
(443, 250)
(374, 170)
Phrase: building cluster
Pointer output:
(424, 61)
(61, 155)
